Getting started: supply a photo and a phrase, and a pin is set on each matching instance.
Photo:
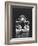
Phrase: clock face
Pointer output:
(22, 22)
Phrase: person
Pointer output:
(26, 27)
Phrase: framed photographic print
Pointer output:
(20, 22)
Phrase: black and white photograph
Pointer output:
(22, 22)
